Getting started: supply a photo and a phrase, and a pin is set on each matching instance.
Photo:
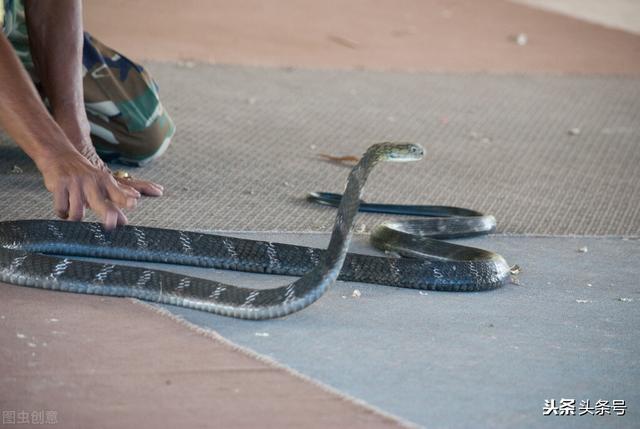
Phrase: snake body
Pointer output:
(38, 253)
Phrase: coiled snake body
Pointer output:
(27, 250)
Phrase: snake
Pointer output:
(44, 254)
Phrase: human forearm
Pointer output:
(56, 40)
(73, 180)
(23, 115)
(59, 142)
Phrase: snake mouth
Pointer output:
(395, 157)
(405, 152)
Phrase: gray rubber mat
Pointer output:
(245, 152)
(459, 360)
(444, 360)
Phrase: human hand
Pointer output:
(58, 145)
(76, 127)
(144, 187)
(76, 183)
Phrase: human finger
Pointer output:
(122, 218)
(76, 203)
(128, 189)
(61, 202)
(145, 187)
(103, 207)
(119, 196)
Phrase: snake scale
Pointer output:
(38, 253)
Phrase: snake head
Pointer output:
(397, 151)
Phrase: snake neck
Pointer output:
(347, 210)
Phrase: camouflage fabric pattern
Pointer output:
(128, 122)
(15, 28)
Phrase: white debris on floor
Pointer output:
(522, 39)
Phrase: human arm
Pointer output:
(72, 179)
(55, 31)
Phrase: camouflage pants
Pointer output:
(128, 122)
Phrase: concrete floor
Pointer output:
(620, 14)
(401, 35)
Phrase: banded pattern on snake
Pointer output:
(38, 253)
